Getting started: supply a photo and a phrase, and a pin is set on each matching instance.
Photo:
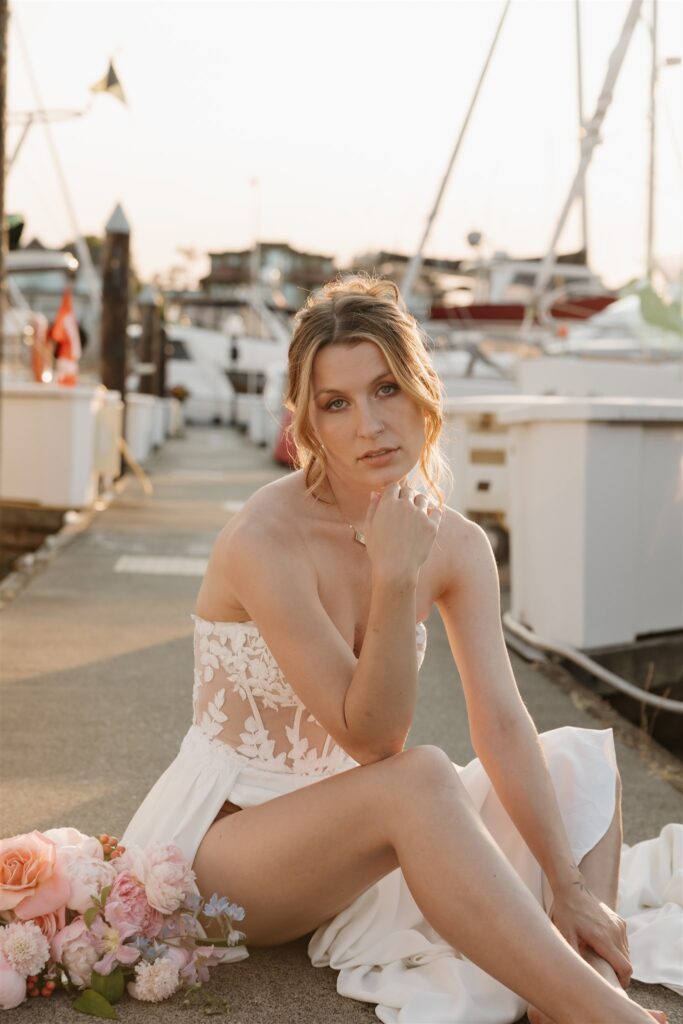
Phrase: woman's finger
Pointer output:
(617, 960)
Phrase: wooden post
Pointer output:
(163, 356)
(149, 302)
(115, 263)
(4, 14)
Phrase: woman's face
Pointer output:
(357, 406)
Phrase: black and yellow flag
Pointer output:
(110, 83)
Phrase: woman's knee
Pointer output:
(426, 766)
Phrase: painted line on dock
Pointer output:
(161, 565)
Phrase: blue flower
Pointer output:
(216, 906)
(149, 949)
(192, 901)
(235, 913)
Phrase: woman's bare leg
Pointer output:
(299, 859)
(600, 868)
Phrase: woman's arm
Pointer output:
(366, 704)
(504, 736)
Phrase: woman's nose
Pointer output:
(369, 424)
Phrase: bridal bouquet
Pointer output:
(85, 914)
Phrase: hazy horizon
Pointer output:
(346, 115)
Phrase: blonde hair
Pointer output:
(346, 311)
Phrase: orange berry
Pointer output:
(51, 984)
(33, 992)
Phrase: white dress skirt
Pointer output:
(384, 949)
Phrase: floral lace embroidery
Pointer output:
(234, 657)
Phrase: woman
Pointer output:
(308, 623)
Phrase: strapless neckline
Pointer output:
(250, 622)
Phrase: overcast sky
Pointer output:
(345, 113)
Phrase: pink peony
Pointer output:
(78, 950)
(127, 905)
(12, 986)
(32, 882)
(164, 872)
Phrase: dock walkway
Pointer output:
(96, 696)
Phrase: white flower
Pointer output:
(24, 947)
(82, 860)
(154, 981)
(87, 876)
(71, 837)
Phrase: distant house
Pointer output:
(275, 264)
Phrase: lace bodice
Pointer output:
(241, 698)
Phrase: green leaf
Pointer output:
(104, 894)
(111, 986)
(95, 1005)
(90, 915)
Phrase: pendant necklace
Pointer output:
(357, 535)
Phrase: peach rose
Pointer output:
(50, 924)
(31, 880)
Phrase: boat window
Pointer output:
(178, 350)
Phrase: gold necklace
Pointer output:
(357, 535)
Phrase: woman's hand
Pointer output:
(585, 921)
(400, 528)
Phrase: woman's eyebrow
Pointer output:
(333, 391)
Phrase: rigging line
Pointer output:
(81, 247)
(674, 139)
(46, 124)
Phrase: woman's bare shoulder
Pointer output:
(457, 538)
(262, 531)
(272, 511)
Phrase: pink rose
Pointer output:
(127, 905)
(12, 986)
(50, 924)
(164, 872)
(31, 879)
(77, 949)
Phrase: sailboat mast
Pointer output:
(582, 129)
(589, 142)
(413, 268)
(651, 176)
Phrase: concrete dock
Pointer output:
(96, 696)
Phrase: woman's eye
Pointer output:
(333, 402)
(335, 408)
(394, 387)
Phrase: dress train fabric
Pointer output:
(252, 740)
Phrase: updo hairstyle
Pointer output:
(347, 311)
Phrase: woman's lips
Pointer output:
(379, 460)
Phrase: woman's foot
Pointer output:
(605, 971)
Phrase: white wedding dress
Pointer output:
(252, 739)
